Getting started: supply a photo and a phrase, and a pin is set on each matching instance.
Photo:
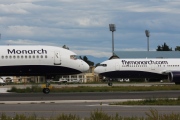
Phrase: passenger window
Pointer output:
(33, 56)
(30, 56)
(14, 56)
(2, 57)
(6, 57)
(41, 56)
(37, 56)
(18, 56)
(45, 56)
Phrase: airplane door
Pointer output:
(57, 58)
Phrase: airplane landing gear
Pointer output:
(177, 83)
(46, 89)
(110, 82)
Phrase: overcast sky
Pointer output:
(83, 25)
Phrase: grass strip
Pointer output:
(151, 101)
(34, 89)
(97, 115)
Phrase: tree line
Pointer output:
(165, 47)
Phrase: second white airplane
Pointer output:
(141, 68)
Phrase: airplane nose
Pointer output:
(85, 66)
(96, 70)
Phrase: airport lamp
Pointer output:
(112, 28)
(147, 35)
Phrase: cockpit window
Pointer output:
(74, 57)
(104, 65)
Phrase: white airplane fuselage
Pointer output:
(141, 68)
(39, 60)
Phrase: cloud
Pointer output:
(20, 30)
(26, 42)
(12, 9)
(83, 25)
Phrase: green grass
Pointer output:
(97, 115)
(36, 88)
(151, 101)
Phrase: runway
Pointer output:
(81, 109)
(82, 104)
(87, 96)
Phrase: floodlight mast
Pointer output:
(147, 35)
(112, 28)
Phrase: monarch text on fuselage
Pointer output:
(125, 62)
(14, 51)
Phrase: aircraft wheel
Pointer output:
(177, 83)
(110, 83)
(46, 90)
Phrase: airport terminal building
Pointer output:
(147, 54)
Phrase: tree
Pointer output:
(85, 59)
(90, 63)
(177, 48)
(97, 64)
(164, 47)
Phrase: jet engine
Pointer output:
(174, 77)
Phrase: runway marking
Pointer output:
(67, 101)
(84, 110)
(104, 102)
(4, 90)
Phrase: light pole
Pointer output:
(147, 35)
(112, 28)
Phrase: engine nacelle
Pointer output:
(174, 76)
